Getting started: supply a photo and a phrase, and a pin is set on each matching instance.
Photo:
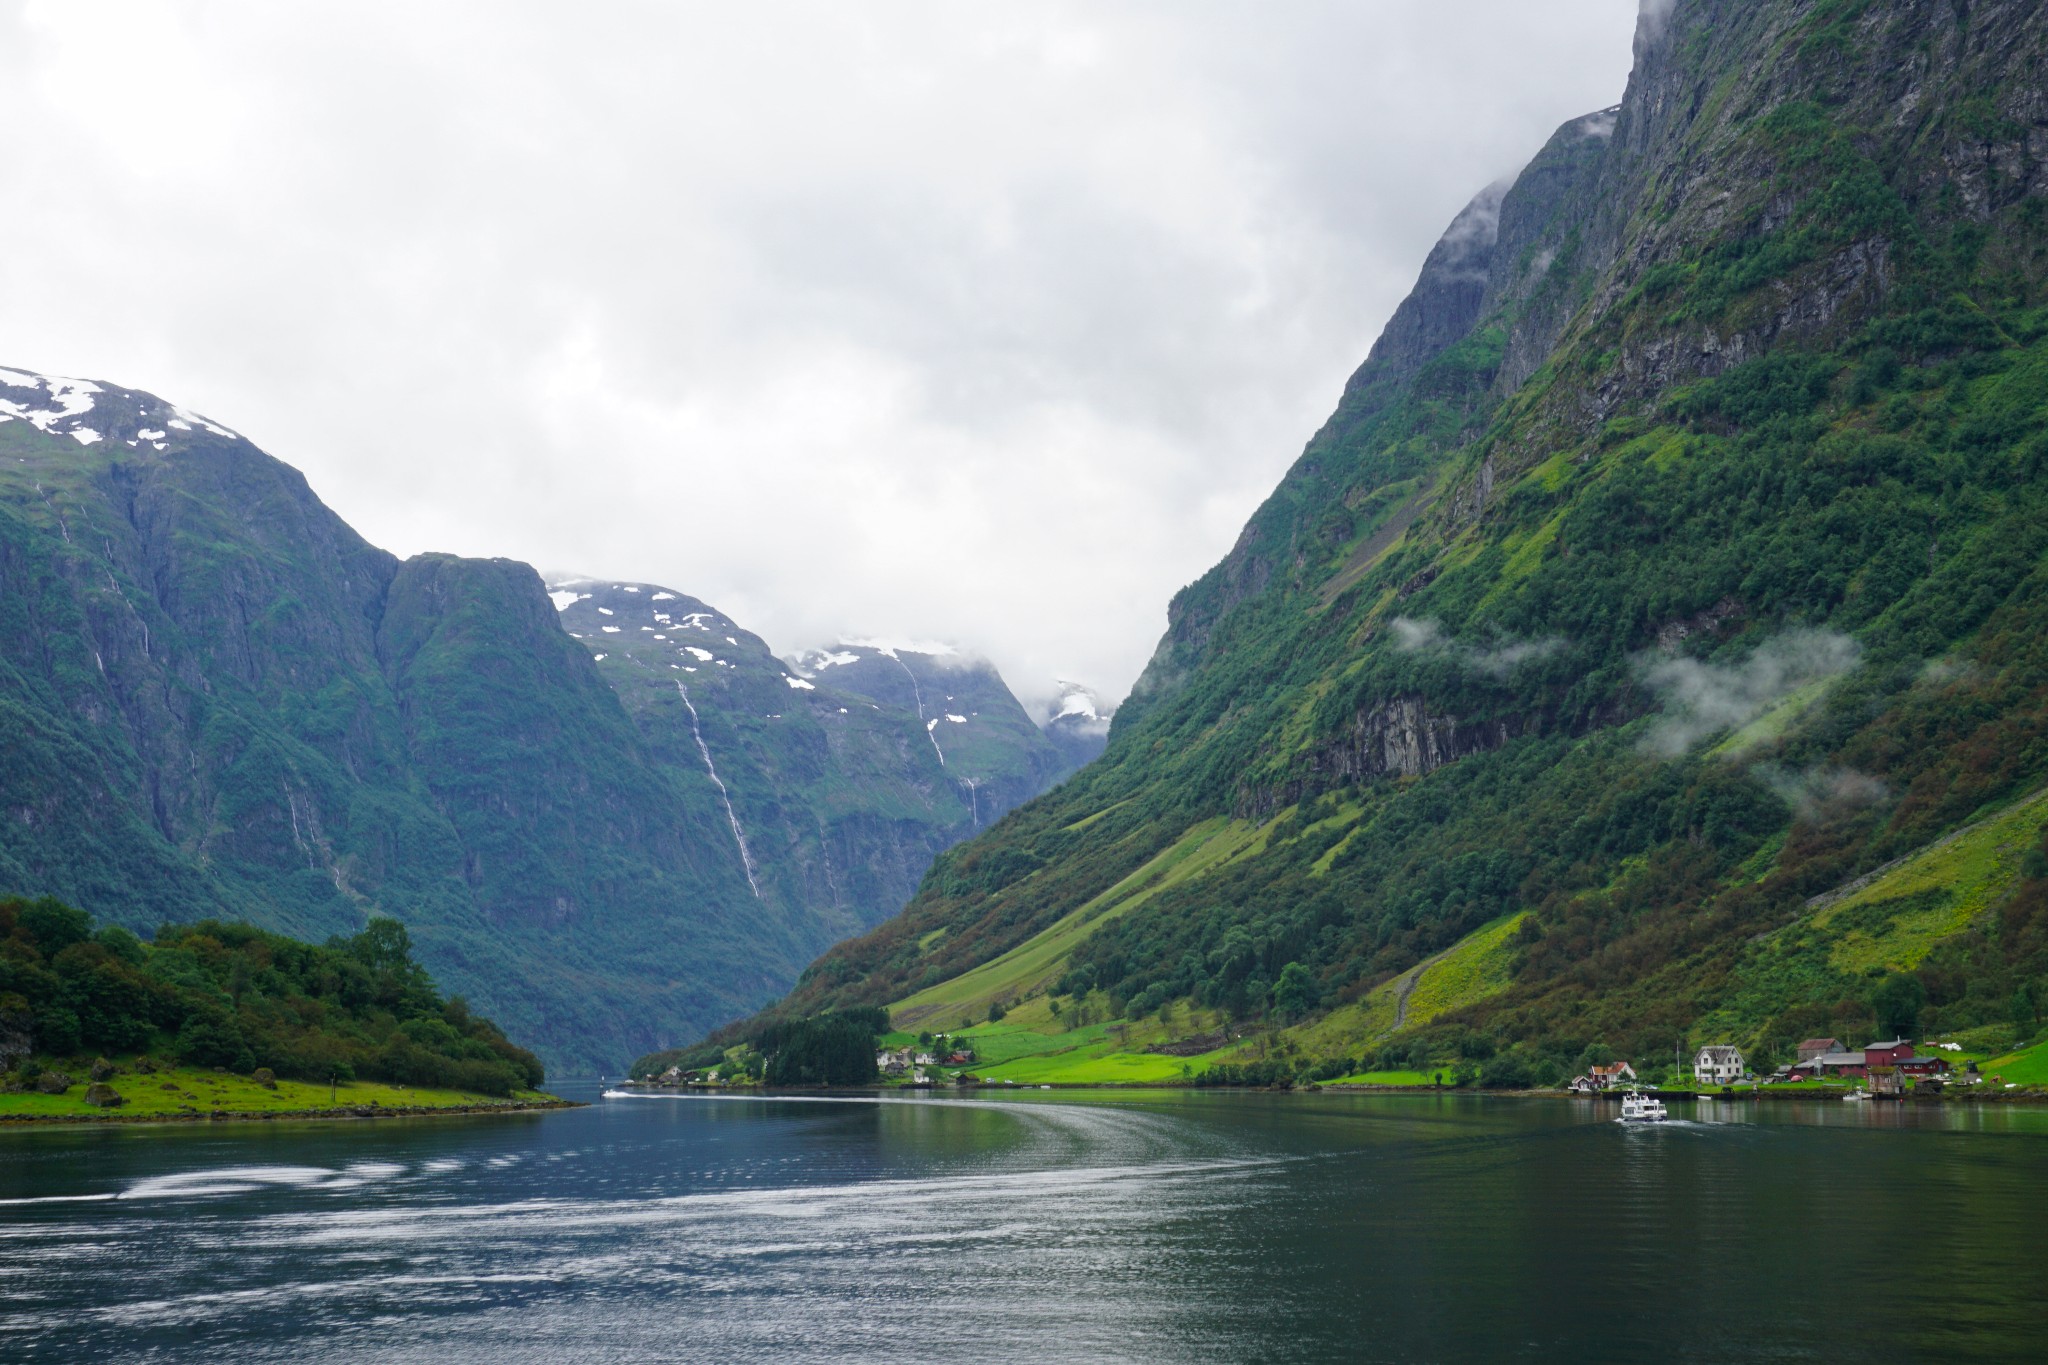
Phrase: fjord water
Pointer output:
(1147, 1227)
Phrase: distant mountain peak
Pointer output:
(1078, 704)
(90, 412)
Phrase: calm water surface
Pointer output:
(1170, 1227)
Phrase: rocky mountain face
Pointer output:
(217, 699)
(841, 772)
(1675, 555)
(977, 731)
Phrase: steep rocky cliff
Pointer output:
(1676, 555)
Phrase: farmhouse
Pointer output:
(1599, 1078)
(1814, 1047)
(1896, 1057)
(1718, 1064)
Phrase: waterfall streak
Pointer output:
(918, 693)
(697, 733)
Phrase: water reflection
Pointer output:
(1170, 1226)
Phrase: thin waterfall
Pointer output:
(697, 733)
(929, 725)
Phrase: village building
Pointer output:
(1607, 1077)
(1814, 1047)
(1844, 1063)
(1895, 1057)
(1718, 1064)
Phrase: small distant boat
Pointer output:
(1855, 1095)
(1637, 1107)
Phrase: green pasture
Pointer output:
(1037, 962)
(2029, 1066)
(1895, 920)
(182, 1092)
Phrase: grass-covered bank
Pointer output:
(226, 1019)
(189, 1093)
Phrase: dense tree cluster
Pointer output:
(230, 995)
(833, 1048)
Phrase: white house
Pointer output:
(1608, 1077)
(1718, 1065)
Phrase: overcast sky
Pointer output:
(971, 321)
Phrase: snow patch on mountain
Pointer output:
(1077, 707)
(57, 404)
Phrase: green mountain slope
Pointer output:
(1676, 556)
(216, 700)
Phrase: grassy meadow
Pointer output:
(187, 1092)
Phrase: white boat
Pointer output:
(1637, 1107)
(1855, 1095)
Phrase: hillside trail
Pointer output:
(1408, 983)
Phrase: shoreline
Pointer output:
(1971, 1096)
(338, 1113)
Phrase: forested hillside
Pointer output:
(1675, 560)
(235, 997)
(218, 701)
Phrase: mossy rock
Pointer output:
(104, 1096)
(144, 1067)
(264, 1077)
(102, 1068)
(53, 1083)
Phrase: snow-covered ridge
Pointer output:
(55, 407)
(1078, 707)
(59, 406)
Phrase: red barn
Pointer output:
(1887, 1054)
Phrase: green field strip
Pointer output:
(181, 1092)
(1478, 966)
(1036, 962)
(1894, 920)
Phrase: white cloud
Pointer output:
(976, 322)
(1817, 793)
(1703, 699)
(1412, 636)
